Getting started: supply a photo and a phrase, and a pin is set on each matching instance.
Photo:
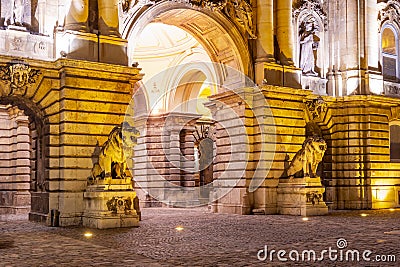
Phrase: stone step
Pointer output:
(258, 212)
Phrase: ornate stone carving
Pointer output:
(310, 6)
(119, 204)
(131, 6)
(308, 157)
(316, 107)
(310, 21)
(114, 153)
(391, 13)
(239, 11)
(242, 13)
(314, 197)
(210, 4)
(17, 44)
(391, 89)
(126, 4)
(19, 76)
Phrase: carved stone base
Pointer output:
(89, 46)
(302, 197)
(275, 74)
(17, 28)
(110, 204)
(107, 220)
(316, 84)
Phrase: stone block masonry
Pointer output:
(73, 105)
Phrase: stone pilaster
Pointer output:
(274, 19)
(77, 16)
(187, 157)
(284, 31)
(14, 162)
(231, 173)
(265, 34)
(108, 17)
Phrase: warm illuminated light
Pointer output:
(364, 215)
(392, 209)
(389, 42)
(381, 193)
(179, 228)
(205, 92)
(88, 234)
(305, 219)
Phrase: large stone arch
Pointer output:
(228, 65)
(223, 41)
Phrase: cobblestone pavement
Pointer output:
(206, 239)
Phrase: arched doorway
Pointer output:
(24, 186)
(175, 45)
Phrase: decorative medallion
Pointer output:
(19, 76)
(119, 204)
(17, 44)
(314, 197)
(316, 107)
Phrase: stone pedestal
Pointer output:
(90, 46)
(279, 75)
(301, 196)
(314, 83)
(109, 203)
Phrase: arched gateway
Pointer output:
(187, 52)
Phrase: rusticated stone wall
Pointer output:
(74, 106)
(15, 166)
(263, 155)
(358, 171)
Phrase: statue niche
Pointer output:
(308, 157)
(309, 42)
(114, 153)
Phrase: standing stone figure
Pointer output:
(17, 12)
(308, 43)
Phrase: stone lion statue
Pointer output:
(114, 153)
(308, 157)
